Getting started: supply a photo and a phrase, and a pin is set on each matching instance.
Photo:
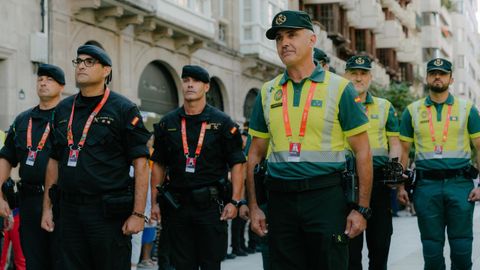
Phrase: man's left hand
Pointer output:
(356, 224)
(133, 225)
(229, 212)
(474, 195)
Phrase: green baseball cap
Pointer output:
(293, 19)
(320, 55)
(439, 64)
(359, 62)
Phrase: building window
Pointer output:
(222, 32)
(429, 18)
(247, 11)
(360, 40)
(248, 33)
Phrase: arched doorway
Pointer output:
(214, 95)
(157, 92)
(250, 102)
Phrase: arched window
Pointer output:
(214, 95)
(249, 102)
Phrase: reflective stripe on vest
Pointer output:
(378, 116)
(323, 151)
(458, 140)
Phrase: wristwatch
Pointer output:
(238, 203)
(365, 211)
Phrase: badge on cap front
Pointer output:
(294, 152)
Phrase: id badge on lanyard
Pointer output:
(190, 164)
(438, 148)
(294, 152)
(73, 158)
(438, 151)
(32, 155)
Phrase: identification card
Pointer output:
(73, 158)
(294, 152)
(32, 155)
(190, 164)
(438, 151)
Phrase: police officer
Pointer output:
(322, 58)
(196, 144)
(27, 144)
(97, 135)
(304, 114)
(441, 126)
(383, 137)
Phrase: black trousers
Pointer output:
(238, 233)
(197, 237)
(306, 229)
(90, 241)
(378, 233)
(39, 246)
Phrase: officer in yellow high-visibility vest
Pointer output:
(383, 136)
(441, 126)
(303, 115)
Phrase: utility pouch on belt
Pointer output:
(259, 178)
(224, 190)
(201, 196)
(54, 194)
(166, 196)
(471, 172)
(350, 181)
(118, 205)
(11, 193)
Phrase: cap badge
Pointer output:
(280, 19)
(438, 62)
(359, 61)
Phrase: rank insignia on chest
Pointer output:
(374, 116)
(453, 118)
(317, 103)
(214, 126)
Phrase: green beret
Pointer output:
(359, 62)
(439, 64)
(293, 19)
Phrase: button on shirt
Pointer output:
(15, 148)
(222, 147)
(117, 137)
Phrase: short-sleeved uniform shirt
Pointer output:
(222, 147)
(15, 150)
(383, 124)
(464, 124)
(116, 137)
(335, 105)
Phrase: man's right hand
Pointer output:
(47, 220)
(4, 208)
(155, 213)
(402, 195)
(258, 221)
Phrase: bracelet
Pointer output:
(140, 215)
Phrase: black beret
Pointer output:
(51, 71)
(359, 62)
(95, 52)
(196, 72)
(293, 19)
(439, 64)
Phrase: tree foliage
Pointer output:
(398, 94)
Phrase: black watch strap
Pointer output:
(365, 211)
(238, 203)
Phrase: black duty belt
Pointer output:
(78, 198)
(440, 174)
(318, 182)
(378, 174)
(27, 189)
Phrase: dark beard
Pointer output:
(438, 89)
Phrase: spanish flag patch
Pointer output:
(233, 130)
(357, 100)
(135, 121)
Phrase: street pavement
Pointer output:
(405, 248)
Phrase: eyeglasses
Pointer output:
(89, 62)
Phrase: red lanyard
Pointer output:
(200, 138)
(306, 109)
(445, 128)
(86, 128)
(42, 141)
